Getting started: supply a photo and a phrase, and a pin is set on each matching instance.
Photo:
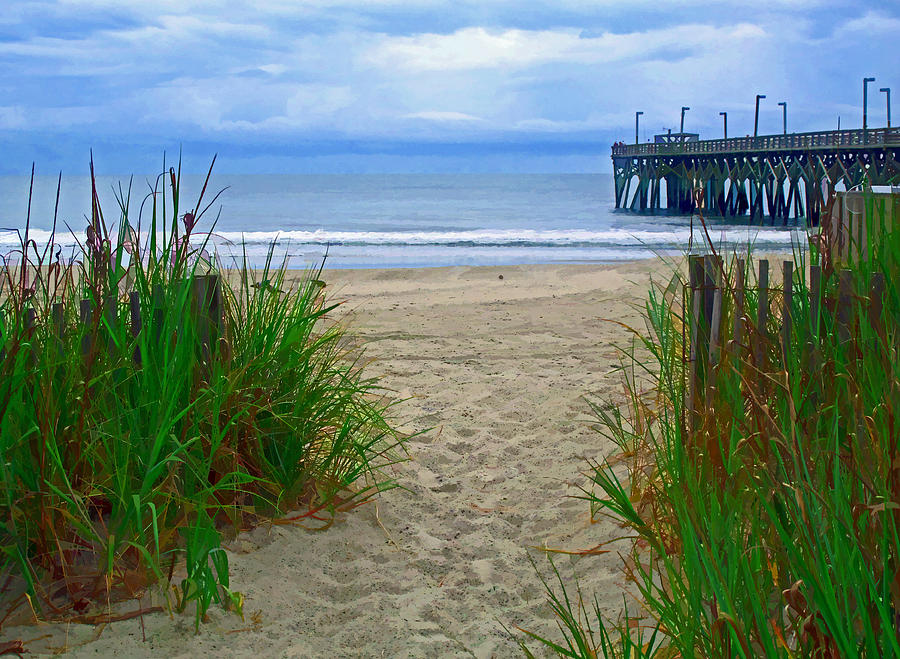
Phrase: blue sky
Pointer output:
(419, 85)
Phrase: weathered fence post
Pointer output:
(217, 310)
(57, 318)
(30, 317)
(739, 307)
(696, 277)
(709, 294)
(787, 268)
(815, 297)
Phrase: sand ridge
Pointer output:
(497, 368)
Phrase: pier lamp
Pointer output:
(684, 109)
(636, 116)
(887, 90)
(724, 116)
(783, 105)
(756, 116)
(866, 82)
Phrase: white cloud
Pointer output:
(273, 69)
(872, 22)
(439, 115)
(477, 47)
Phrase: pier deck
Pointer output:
(770, 177)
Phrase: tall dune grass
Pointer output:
(773, 527)
(125, 457)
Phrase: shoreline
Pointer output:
(498, 369)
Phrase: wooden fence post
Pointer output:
(217, 308)
(709, 295)
(58, 319)
(30, 318)
(739, 307)
(815, 297)
(696, 277)
(787, 269)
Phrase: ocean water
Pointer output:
(392, 220)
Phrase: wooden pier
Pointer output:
(770, 178)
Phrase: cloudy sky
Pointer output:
(419, 85)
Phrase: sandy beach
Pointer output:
(496, 362)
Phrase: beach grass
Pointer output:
(770, 526)
(126, 456)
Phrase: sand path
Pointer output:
(498, 368)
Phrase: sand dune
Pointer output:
(498, 368)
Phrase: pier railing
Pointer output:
(825, 140)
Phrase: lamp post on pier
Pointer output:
(866, 82)
(636, 119)
(756, 116)
(783, 104)
(887, 91)
(724, 116)
(684, 109)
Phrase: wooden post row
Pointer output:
(208, 306)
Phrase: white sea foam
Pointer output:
(676, 237)
(501, 238)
